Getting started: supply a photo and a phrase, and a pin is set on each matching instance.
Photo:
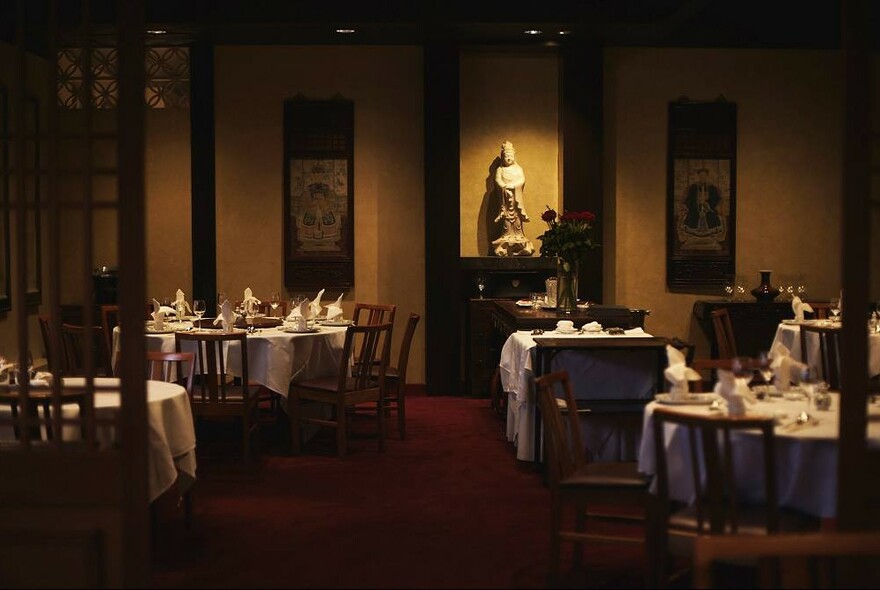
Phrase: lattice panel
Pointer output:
(167, 72)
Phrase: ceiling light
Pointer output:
(156, 31)
(346, 31)
(565, 32)
(532, 32)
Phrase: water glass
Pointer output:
(199, 307)
(535, 298)
(274, 301)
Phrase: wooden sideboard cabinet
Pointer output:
(484, 347)
(754, 322)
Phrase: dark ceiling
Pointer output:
(662, 23)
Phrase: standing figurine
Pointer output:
(510, 180)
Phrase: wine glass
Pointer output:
(764, 367)
(809, 381)
(274, 301)
(742, 368)
(199, 308)
(221, 297)
(481, 284)
(835, 309)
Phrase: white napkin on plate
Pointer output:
(180, 299)
(334, 310)
(799, 307)
(634, 331)
(736, 391)
(592, 327)
(158, 320)
(226, 317)
(249, 303)
(678, 373)
(784, 367)
(163, 308)
(315, 305)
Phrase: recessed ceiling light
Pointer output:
(346, 31)
(565, 32)
(533, 32)
(156, 31)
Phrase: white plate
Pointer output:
(524, 303)
(336, 323)
(790, 322)
(150, 330)
(290, 330)
(572, 331)
(691, 399)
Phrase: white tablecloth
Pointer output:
(275, 358)
(790, 336)
(171, 435)
(806, 457)
(596, 374)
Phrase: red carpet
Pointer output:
(447, 508)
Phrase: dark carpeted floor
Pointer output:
(449, 507)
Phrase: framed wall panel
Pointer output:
(318, 194)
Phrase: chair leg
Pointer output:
(341, 432)
(293, 412)
(380, 412)
(401, 413)
(580, 524)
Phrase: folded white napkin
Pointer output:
(592, 327)
(158, 320)
(163, 308)
(736, 391)
(226, 317)
(315, 305)
(678, 373)
(784, 367)
(180, 299)
(634, 331)
(799, 307)
(334, 310)
(249, 303)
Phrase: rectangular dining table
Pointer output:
(612, 377)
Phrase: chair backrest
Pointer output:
(373, 313)
(46, 333)
(803, 560)
(712, 470)
(371, 344)
(109, 320)
(565, 450)
(726, 364)
(829, 351)
(74, 340)
(820, 309)
(213, 388)
(174, 367)
(405, 345)
(724, 338)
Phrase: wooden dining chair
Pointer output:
(575, 483)
(724, 337)
(370, 314)
(828, 351)
(173, 367)
(354, 384)
(828, 559)
(395, 377)
(820, 309)
(718, 506)
(48, 342)
(215, 394)
(74, 340)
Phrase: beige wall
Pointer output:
(788, 169)
(515, 97)
(385, 84)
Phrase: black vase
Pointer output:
(765, 291)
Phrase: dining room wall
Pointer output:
(788, 169)
(386, 85)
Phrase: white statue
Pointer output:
(510, 180)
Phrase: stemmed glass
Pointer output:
(199, 308)
(808, 382)
(274, 301)
(835, 309)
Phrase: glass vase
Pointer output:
(566, 286)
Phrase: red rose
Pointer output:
(549, 215)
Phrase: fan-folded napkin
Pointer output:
(784, 367)
(678, 373)
(226, 317)
(735, 390)
(315, 305)
(334, 310)
(163, 308)
(249, 303)
(180, 300)
(799, 307)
